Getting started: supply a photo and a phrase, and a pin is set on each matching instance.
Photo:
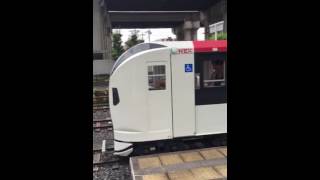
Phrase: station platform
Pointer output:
(197, 164)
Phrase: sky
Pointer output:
(156, 34)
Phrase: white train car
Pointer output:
(167, 90)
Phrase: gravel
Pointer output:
(101, 135)
(101, 114)
(113, 171)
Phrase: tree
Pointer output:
(117, 48)
(133, 40)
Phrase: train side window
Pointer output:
(213, 73)
(157, 77)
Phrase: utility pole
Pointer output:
(149, 33)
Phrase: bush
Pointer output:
(220, 36)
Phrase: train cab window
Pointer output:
(157, 77)
(213, 73)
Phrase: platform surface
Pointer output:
(197, 164)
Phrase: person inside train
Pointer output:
(217, 72)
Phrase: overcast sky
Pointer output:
(156, 34)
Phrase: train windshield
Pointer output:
(134, 50)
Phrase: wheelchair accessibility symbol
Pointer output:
(188, 68)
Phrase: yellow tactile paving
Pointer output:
(191, 156)
(181, 175)
(149, 162)
(223, 151)
(205, 173)
(222, 169)
(170, 159)
(211, 154)
(155, 177)
(191, 167)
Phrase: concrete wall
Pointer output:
(102, 42)
(101, 29)
(97, 27)
(102, 66)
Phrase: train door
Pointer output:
(159, 94)
(211, 93)
(183, 92)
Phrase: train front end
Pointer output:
(128, 100)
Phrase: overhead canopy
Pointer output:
(159, 5)
(147, 19)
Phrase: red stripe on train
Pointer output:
(210, 46)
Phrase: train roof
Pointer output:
(134, 50)
(198, 46)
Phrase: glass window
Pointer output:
(213, 73)
(157, 77)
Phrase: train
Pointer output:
(162, 91)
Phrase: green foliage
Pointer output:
(220, 36)
(211, 37)
(133, 40)
(117, 48)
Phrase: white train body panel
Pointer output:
(155, 97)
(206, 123)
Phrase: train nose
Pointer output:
(122, 148)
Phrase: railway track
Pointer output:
(104, 108)
(102, 124)
(100, 159)
(102, 120)
(104, 155)
(98, 97)
(100, 100)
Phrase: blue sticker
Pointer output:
(188, 68)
